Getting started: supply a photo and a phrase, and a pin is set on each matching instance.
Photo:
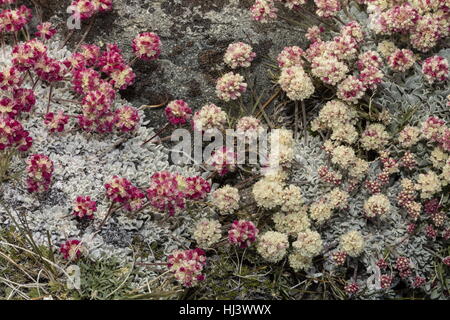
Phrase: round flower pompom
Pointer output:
(329, 69)
(263, 11)
(313, 33)
(409, 136)
(71, 250)
(435, 69)
(164, 192)
(226, 199)
(401, 60)
(351, 89)
(56, 122)
(178, 112)
(222, 161)
(13, 135)
(122, 77)
(230, 86)
(242, 233)
(45, 31)
(196, 188)
(290, 56)
(327, 8)
(369, 59)
(187, 266)
(299, 262)
(272, 246)
(39, 173)
(239, 54)
(147, 46)
(268, 193)
(84, 207)
(117, 189)
(374, 137)
(249, 127)
(209, 117)
(296, 83)
(377, 205)
(352, 243)
(207, 232)
(308, 244)
(126, 118)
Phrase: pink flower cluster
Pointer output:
(56, 122)
(147, 46)
(403, 265)
(187, 266)
(435, 68)
(264, 11)
(88, 8)
(239, 54)
(165, 192)
(230, 86)
(222, 161)
(196, 188)
(13, 135)
(13, 20)
(84, 207)
(435, 130)
(71, 250)
(120, 190)
(401, 60)
(327, 8)
(39, 173)
(178, 112)
(290, 56)
(242, 233)
(45, 31)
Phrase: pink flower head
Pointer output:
(290, 56)
(402, 263)
(339, 257)
(401, 60)
(118, 189)
(446, 261)
(178, 112)
(110, 59)
(24, 99)
(15, 20)
(196, 188)
(84, 207)
(45, 31)
(85, 80)
(327, 8)
(263, 11)
(351, 89)
(369, 59)
(351, 288)
(25, 55)
(230, 86)
(122, 77)
(435, 68)
(84, 8)
(10, 78)
(96, 104)
(313, 33)
(136, 200)
(13, 135)
(222, 161)
(127, 118)
(49, 69)
(386, 281)
(239, 54)
(354, 30)
(56, 122)
(39, 173)
(371, 77)
(147, 46)
(71, 250)
(242, 233)
(187, 266)
(433, 129)
(164, 193)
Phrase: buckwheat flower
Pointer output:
(329, 69)
(85, 80)
(433, 128)
(84, 207)
(117, 189)
(401, 60)
(292, 223)
(13, 20)
(272, 246)
(249, 128)
(90, 54)
(351, 288)
(435, 68)
(222, 161)
(345, 133)
(196, 188)
(428, 184)
(24, 99)
(263, 11)
(71, 250)
(136, 199)
(329, 176)
(242, 233)
(351, 89)
(308, 244)
(299, 262)
(344, 47)
(268, 194)
(13, 135)
(338, 199)
(39, 173)
(230, 86)
(296, 83)
(10, 78)
(110, 59)
(187, 266)
(354, 30)
(122, 77)
(7, 107)
(327, 8)
(226, 199)
(313, 33)
(333, 115)
(446, 173)
(282, 148)
(178, 112)
(290, 56)
(402, 264)
(343, 156)
(147, 46)
(409, 136)
(126, 118)
(374, 137)
(164, 193)
(207, 232)
(426, 33)
(320, 211)
(438, 157)
(56, 122)
(96, 103)
(446, 261)
(50, 70)
(45, 31)
(386, 48)
(239, 54)
(377, 205)
(25, 55)
(209, 117)
(352, 243)
(369, 59)
(292, 199)
(339, 257)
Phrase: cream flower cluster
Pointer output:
(207, 232)
(352, 243)
(329, 69)
(428, 184)
(282, 148)
(268, 193)
(377, 205)
(296, 83)
(272, 246)
(374, 137)
(292, 223)
(290, 57)
(409, 136)
(351, 89)
(308, 244)
(292, 199)
(239, 54)
(209, 117)
(226, 199)
(230, 86)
